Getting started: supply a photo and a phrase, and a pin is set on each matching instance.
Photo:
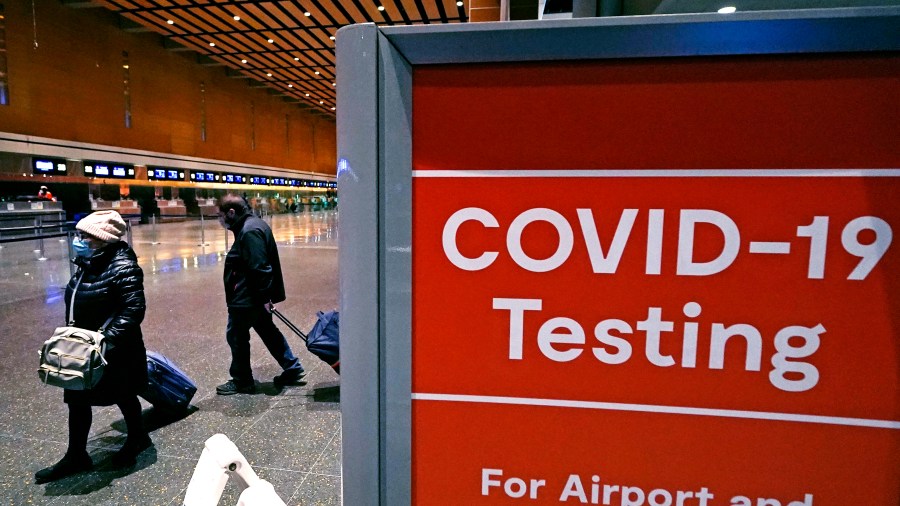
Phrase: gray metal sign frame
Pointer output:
(374, 125)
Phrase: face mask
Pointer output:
(225, 222)
(81, 248)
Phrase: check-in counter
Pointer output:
(171, 210)
(208, 207)
(15, 215)
(125, 207)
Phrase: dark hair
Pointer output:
(233, 201)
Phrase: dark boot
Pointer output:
(127, 455)
(67, 466)
(138, 440)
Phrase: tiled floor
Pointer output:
(292, 438)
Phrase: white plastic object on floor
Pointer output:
(220, 460)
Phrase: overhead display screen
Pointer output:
(165, 174)
(108, 169)
(231, 178)
(199, 176)
(313, 184)
(234, 178)
(49, 166)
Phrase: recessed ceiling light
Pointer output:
(381, 7)
(296, 59)
(290, 86)
(212, 44)
(170, 22)
(269, 74)
(459, 4)
(306, 95)
(237, 18)
(307, 14)
(332, 108)
(321, 101)
(332, 37)
(317, 72)
(727, 10)
(271, 41)
(243, 61)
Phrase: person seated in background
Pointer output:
(44, 194)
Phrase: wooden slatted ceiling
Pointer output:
(299, 60)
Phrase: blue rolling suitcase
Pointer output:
(323, 340)
(168, 387)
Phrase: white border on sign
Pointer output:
(650, 408)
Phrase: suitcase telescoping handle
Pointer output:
(289, 324)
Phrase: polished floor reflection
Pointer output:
(291, 437)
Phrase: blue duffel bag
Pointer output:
(168, 387)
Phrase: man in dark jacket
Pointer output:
(253, 285)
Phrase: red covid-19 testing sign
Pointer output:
(657, 283)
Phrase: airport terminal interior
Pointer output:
(157, 109)
(291, 437)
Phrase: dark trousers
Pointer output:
(240, 321)
(80, 423)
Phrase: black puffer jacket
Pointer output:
(112, 284)
(252, 268)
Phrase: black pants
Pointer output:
(240, 321)
(80, 423)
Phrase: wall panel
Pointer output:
(70, 87)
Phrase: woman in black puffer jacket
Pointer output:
(108, 283)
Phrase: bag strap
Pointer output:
(71, 321)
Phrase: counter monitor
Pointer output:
(48, 166)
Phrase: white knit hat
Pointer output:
(107, 226)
